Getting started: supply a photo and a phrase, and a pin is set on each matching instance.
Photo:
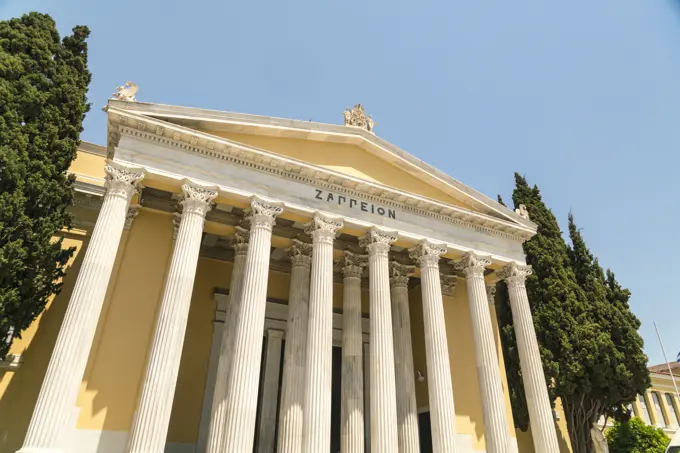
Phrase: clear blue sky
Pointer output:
(582, 97)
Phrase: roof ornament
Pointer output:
(522, 211)
(126, 92)
(357, 118)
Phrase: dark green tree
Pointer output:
(635, 436)
(43, 87)
(615, 368)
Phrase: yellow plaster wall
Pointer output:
(111, 382)
(186, 410)
(461, 353)
(89, 167)
(19, 388)
(347, 159)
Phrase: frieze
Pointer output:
(354, 203)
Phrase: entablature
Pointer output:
(189, 141)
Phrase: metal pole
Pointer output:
(667, 364)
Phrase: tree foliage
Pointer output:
(43, 86)
(635, 436)
(591, 351)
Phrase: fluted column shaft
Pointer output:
(538, 402)
(243, 377)
(293, 385)
(383, 386)
(150, 424)
(60, 386)
(496, 432)
(407, 410)
(440, 389)
(352, 392)
(218, 411)
(318, 372)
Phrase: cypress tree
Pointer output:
(43, 86)
(616, 367)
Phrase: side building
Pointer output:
(659, 406)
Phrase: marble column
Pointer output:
(319, 360)
(540, 412)
(218, 402)
(407, 410)
(293, 385)
(352, 392)
(57, 397)
(243, 377)
(496, 431)
(383, 386)
(269, 392)
(149, 428)
(440, 389)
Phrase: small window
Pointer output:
(645, 410)
(658, 410)
(672, 409)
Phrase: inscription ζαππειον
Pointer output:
(353, 203)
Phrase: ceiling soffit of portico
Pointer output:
(142, 127)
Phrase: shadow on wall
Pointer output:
(21, 392)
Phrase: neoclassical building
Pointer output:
(245, 284)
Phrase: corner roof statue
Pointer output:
(357, 118)
(126, 92)
(522, 211)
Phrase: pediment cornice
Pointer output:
(142, 127)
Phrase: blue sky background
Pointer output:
(582, 97)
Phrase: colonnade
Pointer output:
(305, 409)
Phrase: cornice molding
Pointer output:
(194, 142)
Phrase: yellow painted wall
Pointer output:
(347, 159)
(111, 382)
(89, 167)
(19, 388)
(186, 410)
(463, 365)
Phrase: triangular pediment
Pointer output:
(334, 150)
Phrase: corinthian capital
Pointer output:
(196, 198)
(300, 254)
(472, 265)
(240, 241)
(448, 284)
(323, 229)
(263, 213)
(122, 181)
(427, 253)
(400, 273)
(514, 274)
(354, 265)
(378, 241)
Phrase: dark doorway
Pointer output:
(336, 400)
(336, 384)
(425, 432)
